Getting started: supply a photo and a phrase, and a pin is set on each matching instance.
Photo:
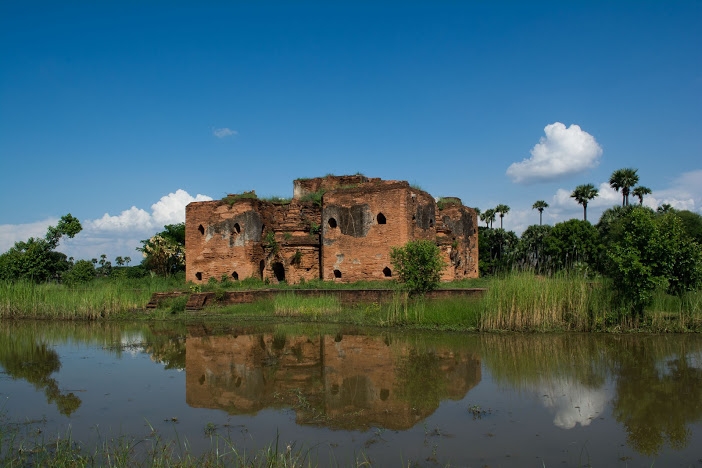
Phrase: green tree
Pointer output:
(624, 179)
(164, 253)
(692, 223)
(488, 217)
(583, 194)
(541, 206)
(82, 271)
(646, 251)
(529, 253)
(36, 259)
(572, 244)
(119, 261)
(502, 210)
(640, 191)
(418, 265)
(496, 250)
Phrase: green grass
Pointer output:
(101, 298)
(516, 301)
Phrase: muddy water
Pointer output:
(392, 398)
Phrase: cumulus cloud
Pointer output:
(562, 152)
(112, 235)
(571, 402)
(223, 132)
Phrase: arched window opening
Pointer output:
(384, 394)
(337, 274)
(235, 275)
(381, 218)
(198, 275)
(261, 267)
(201, 229)
(431, 222)
(332, 223)
(237, 228)
(387, 272)
(278, 271)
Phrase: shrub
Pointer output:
(418, 265)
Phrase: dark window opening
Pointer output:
(235, 275)
(261, 267)
(384, 394)
(332, 223)
(263, 228)
(278, 271)
(201, 229)
(381, 218)
(431, 222)
(337, 274)
(387, 272)
(237, 228)
(198, 275)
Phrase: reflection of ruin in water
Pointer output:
(340, 381)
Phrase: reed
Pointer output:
(528, 302)
(106, 298)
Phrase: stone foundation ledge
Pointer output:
(197, 301)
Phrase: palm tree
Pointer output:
(640, 191)
(488, 216)
(540, 205)
(624, 179)
(584, 193)
(502, 210)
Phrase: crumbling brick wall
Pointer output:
(346, 236)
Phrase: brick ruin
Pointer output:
(335, 228)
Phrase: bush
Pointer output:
(418, 265)
(82, 271)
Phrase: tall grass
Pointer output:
(291, 305)
(528, 302)
(103, 298)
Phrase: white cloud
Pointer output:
(562, 152)
(112, 235)
(223, 132)
(571, 402)
(170, 209)
(11, 233)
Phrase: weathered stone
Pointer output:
(346, 237)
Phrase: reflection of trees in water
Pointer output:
(656, 403)
(24, 357)
(523, 361)
(658, 390)
(420, 380)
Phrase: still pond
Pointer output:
(390, 397)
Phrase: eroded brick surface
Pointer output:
(344, 235)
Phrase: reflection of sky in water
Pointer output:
(132, 342)
(572, 402)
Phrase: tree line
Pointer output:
(36, 259)
(639, 249)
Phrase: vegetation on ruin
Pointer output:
(443, 202)
(232, 198)
(313, 197)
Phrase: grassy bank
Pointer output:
(102, 298)
(516, 302)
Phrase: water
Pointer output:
(343, 393)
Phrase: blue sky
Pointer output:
(122, 112)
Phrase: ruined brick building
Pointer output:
(336, 228)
